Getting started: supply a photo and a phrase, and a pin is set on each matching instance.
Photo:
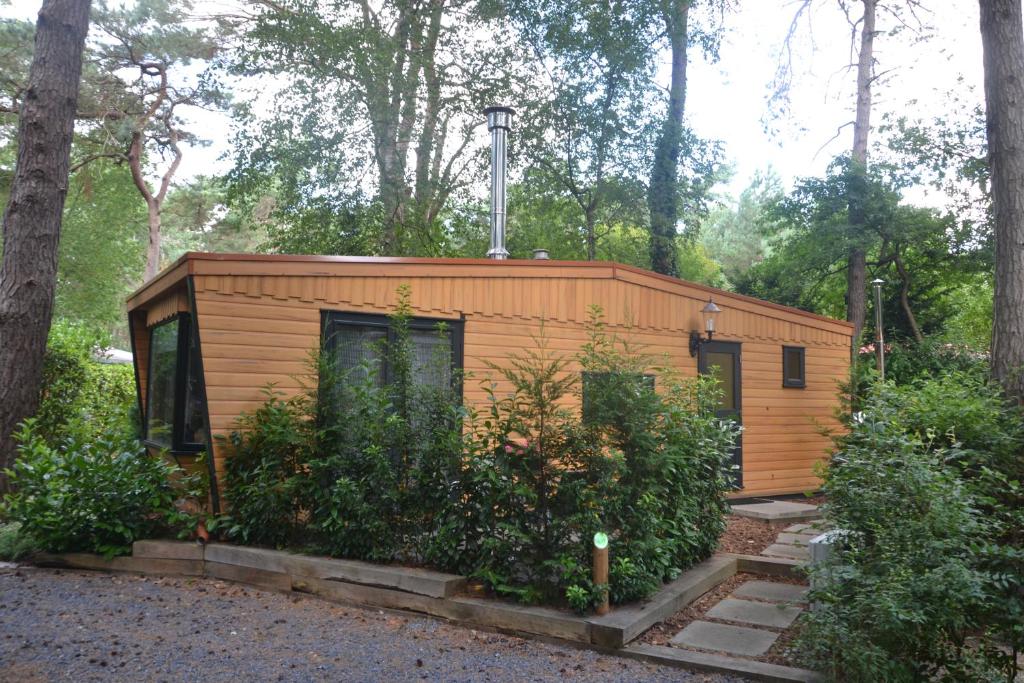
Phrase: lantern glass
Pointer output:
(710, 311)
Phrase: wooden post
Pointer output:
(601, 569)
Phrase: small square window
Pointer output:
(793, 367)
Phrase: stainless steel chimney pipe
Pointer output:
(499, 122)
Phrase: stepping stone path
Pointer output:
(757, 610)
(794, 541)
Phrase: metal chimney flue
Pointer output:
(499, 122)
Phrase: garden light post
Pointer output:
(710, 311)
(879, 338)
(601, 569)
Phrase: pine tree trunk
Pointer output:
(856, 264)
(153, 247)
(32, 220)
(1002, 37)
(662, 200)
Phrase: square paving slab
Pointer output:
(757, 613)
(777, 510)
(775, 592)
(735, 640)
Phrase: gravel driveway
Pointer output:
(59, 625)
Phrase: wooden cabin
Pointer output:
(212, 330)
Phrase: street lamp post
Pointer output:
(879, 337)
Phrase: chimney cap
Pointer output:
(499, 108)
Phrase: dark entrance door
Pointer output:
(723, 360)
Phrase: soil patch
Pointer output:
(746, 536)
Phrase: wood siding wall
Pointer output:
(257, 329)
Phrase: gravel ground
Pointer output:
(81, 626)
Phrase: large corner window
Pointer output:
(793, 367)
(175, 414)
(605, 392)
(356, 343)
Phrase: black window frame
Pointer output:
(586, 410)
(800, 383)
(181, 369)
(456, 329)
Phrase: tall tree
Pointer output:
(590, 124)
(154, 42)
(379, 116)
(856, 262)
(662, 191)
(1002, 37)
(32, 219)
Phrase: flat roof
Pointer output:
(200, 263)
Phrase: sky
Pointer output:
(727, 100)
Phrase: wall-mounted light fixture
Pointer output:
(709, 312)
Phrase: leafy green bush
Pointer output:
(80, 395)
(94, 495)
(929, 581)
(264, 475)
(402, 472)
(14, 543)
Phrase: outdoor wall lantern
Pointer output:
(710, 310)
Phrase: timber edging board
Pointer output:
(352, 582)
(407, 579)
(623, 624)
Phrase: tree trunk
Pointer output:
(856, 264)
(662, 194)
(153, 247)
(31, 223)
(1002, 38)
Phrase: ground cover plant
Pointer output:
(511, 494)
(928, 583)
(83, 481)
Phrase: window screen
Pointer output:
(162, 383)
(357, 343)
(793, 368)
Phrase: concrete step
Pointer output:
(792, 552)
(794, 539)
(736, 640)
(772, 591)
(756, 613)
(777, 511)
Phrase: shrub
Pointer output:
(96, 495)
(265, 474)
(928, 581)
(14, 543)
(80, 395)
(403, 472)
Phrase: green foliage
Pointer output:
(400, 472)
(14, 543)
(96, 494)
(81, 397)
(263, 474)
(927, 583)
(927, 255)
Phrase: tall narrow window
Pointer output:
(175, 408)
(793, 367)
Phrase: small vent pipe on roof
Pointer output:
(499, 122)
